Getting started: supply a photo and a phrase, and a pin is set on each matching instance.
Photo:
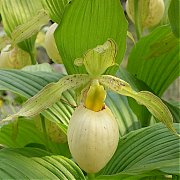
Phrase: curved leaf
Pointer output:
(29, 163)
(175, 111)
(141, 112)
(30, 135)
(55, 8)
(92, 23)
(155, 59)
(173, 14)
(39, 103)
(15, 80)
(165, 19)
(27, 134)
(126, 119)
(17, 12)
(144, 151)
(30, 28)
(25, 83)
(28, 84)
(153, 103)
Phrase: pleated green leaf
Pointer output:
(153, 103)
(30, 28)
(61, 111)
(17, 12)
(86, 24)
(39, 102)
(155, 59)
(25, 83)
(23, 139)
(147, 151)
(124, 108)
(28, 84)
(125, 117)
(29, 163)
(55, 8)
(175, 111)
(173, 14)
(141, 112)
(29, 134)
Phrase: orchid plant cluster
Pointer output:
(92, 121)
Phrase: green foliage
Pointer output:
(173, 14)
(148, 151)
(141, 112)
(126, 119)
(28, 84)
(155, 59)
(31, 150)
(61, 112)
(41, 164)
(17, 12)
(55, 8)
(26, 30)
(29, 134)
(86, 24)
(39, 102)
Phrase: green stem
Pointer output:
(91, 176)
(33, 59)
(46, 138)
(137, 19)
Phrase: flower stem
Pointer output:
(137, 20)
(91, 176)
(46, 138)
(33, 60)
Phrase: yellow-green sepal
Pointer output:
(152, 102)
(98, 59)
(47, 96)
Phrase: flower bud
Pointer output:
(14, 59)
(92, 137)
(53, 130)
(50, 44)
(55, 133)
(150, 12)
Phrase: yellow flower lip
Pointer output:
(103, 108)
(95, 97)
